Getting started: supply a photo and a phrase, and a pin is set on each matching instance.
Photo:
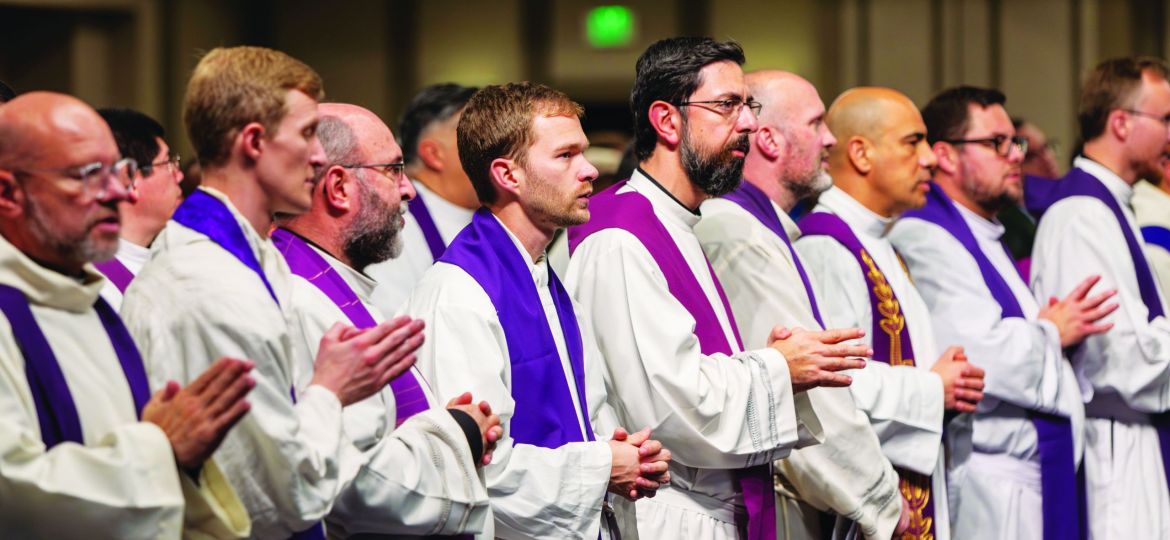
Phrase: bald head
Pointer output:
(33, 127)
(868, 112)
(781, 93)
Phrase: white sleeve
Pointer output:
(1077, 238)
(535, 491)
(1022, 358)
(904, 403)
(712, 411)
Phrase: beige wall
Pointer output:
(379, 52)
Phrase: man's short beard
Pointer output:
(374, 235)
(716, 174)
(80, 249)
(809, 185)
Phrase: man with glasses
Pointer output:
(1021, 478)
(670, 342)
(444, 199)
(154, 195)
(1087, 228)
(85, 450)
(881, 166)
(217, 285)
(420, 476)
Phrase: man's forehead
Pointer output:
(990, 118)
(723, 77)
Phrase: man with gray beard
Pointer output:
(420, 476)
(746, 235)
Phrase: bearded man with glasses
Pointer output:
(1087, 228)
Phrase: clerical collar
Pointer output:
(990, 229)
(538, 268)
(356, 279)
(860, 218)
(666, 191)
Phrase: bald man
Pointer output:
(85, 450)
(746, 235)
(881, 166)
(420, 475)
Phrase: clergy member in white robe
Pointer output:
(153, 198)
(1022, 477)
(1087, 228)
(444, 199)
(420, 476)
(672, 349)
(903, 391)
(765, 284)
(217, 286)
(551, 474)
(77, 460)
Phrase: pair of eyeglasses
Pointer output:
(1165, 120)
(394, 171)
(1002, 144)
(172, 163)
(96, 177)
(726, 107)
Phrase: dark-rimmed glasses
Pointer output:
(726, 107)
(1001, 144)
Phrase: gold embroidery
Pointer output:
(915, 488)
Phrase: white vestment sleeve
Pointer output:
(904, 404)
(847, 472)
(712, 411)
(535, 492)
(1022, 358)
(1076, 239)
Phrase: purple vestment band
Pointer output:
(1064, 518)
(891, 345)
(422, 216)
(545, 412)
(304, 261)
(752, 199)
(1041, 193)
(116, 272)
(207, 215)
(633, 212)
(56, 410)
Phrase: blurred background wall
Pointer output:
(378, 53)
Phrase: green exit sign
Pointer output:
(609, 26)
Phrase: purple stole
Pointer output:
(544, 413)
(207, 215)
(750, 198)
(1156, 235)
(891, 345)
(305, 262)
(116, 272)
(633, 212)
(1063, 513)
(56, 411)
(1041, 193)
(422, 216)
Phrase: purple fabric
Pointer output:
(409, 398)
(207, 215)
(1062, 515)
(422, 216)
(1041, 193)
(633, 212)
(116, 272)
(891, 345)
(544, 412)
(56, 410)
(752, 199)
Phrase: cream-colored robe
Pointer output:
(195, 302)
(847, 473)
(420, 478)
(123, 483)
(717, 413)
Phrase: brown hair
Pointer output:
(232, 87)
(1113, 84)
(497, 123)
